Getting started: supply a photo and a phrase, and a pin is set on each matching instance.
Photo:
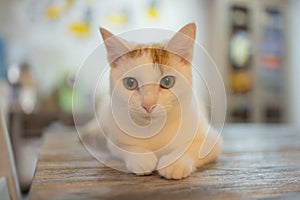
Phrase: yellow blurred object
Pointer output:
(68, 4)
(118, 19)
(152, 13)
(241, 81)
(54, 12)
(80, 28)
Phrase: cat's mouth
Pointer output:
(158, 110)
(152, 115)
(148, 116)
(144, 119)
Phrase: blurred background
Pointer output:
(255, 44)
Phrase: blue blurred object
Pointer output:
(2, 59)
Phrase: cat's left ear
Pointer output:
(182, 43)
(115, 46)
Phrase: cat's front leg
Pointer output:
(141, 164)
(179, 168)
(138, 160)
(204, 149)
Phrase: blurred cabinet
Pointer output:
(250, 49)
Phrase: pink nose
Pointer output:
(149, 107)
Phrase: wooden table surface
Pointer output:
(257, 162)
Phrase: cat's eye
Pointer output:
(167, 82)
(130, 83)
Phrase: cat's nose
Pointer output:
(149, 107)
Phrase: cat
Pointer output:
(150, 117)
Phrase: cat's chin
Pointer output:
(143, 119)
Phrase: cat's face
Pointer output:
(151, 79)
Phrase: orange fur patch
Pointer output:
(159, 55)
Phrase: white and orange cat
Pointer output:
(151, 117)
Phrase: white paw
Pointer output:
(179, 169)
(141, 164)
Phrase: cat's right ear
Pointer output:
(115, 47)
(183, 42)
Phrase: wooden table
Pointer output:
(257, 162)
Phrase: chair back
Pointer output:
(7, 163)
(4, 189)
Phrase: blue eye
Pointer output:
(167, 82)
(130, 83)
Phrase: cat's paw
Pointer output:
(142, 164)
(179, 169)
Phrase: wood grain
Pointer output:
(257, 162)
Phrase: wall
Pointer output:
(51, 50)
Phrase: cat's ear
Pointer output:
(182, 43)
(115, 46)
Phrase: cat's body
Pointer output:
(149, 85)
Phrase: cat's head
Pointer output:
(150, 78)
